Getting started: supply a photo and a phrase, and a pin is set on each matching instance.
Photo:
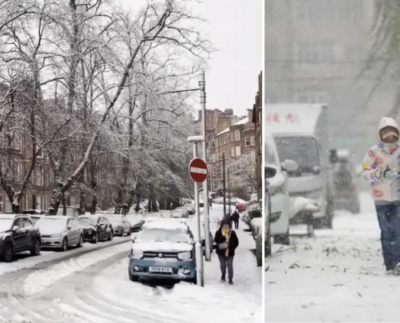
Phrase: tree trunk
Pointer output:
(64, 203)
(93, 206)
(82, 203)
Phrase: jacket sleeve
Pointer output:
(219, 238)
(234, 240)
(370, 172)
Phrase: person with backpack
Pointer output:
(227, 242)
(381, 169)
(235, 219)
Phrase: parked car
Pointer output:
(18, 234)
(120, 224)
(241, 207)
(278, 189)
(96, 228)
(60, 232)
(346, 191)
(163, 250)
(269, 172)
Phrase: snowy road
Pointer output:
(336, 277)
(94, 287)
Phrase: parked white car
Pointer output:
(278, 189)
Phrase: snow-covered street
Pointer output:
(336, 277)
(92, 285)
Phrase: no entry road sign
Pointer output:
(198, 170)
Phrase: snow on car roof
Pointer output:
(167, 224)
(58, 217)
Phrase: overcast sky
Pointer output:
(235, 29)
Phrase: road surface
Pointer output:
(91, 285)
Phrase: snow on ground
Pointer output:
(24, 260)
(216, 302)
(338, 276)
(41, 279)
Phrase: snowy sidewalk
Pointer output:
(336, 277)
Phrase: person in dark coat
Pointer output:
(235, 219)
(227, 242)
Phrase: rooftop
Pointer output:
(242, 121)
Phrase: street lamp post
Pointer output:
(203, 96)
(199, 250)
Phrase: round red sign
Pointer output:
(198, 170)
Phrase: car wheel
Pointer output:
(80, 243)
(35, 251)
(64, 246)
(133, 278)
(111, 236)
(8, 252)
(194, 279)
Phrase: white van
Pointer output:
(278, 190)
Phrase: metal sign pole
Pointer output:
(199, 247)
(206, 202)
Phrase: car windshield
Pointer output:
(5, 224)
(163, 235)
(35, 218)
(303, 150)
(49, 224)
(87, 221)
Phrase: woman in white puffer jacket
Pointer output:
(381, 168)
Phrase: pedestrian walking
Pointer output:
(227, 242)
(235, 219)
(381, 166)
(210, 204)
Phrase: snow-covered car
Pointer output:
(96, 228)
(278, 189)
(163, 250)
(17, 234)
(60, 232)
(120, 224)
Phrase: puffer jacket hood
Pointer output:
(387, 122)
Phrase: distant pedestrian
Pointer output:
(227, 242)
(381, 168)
(210, 204)
(235, 219)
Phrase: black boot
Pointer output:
(223, 277)
(230, 282)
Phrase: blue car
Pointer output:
(163, 249)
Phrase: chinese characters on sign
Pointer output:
(276, 118)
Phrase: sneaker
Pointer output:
(230, 282)
(396, 270)
(223, 278)
(389, 272)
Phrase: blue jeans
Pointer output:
(389, 222)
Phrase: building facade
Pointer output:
(314, 53)
(234, 142)
(257, 120)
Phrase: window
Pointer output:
(215, 185)
(252, 141)
(249, 190)
(237, 135)
(212, 144)
(213, 158)
(224, 138)
(232, 151)
(247, 141)
(238, 151)
(232, 136)
(39, 176)
(214, 172)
